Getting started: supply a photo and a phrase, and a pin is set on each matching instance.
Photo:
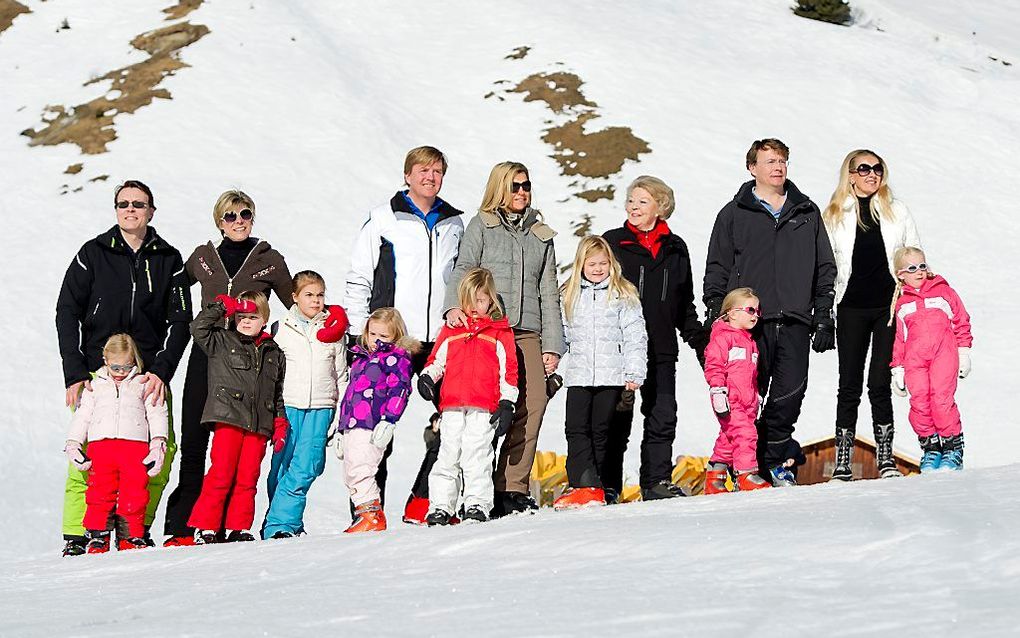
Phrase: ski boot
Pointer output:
(843, 471)
(132, 542)
(612, 496)
(475, 513)
(579, 497)
(748, 481)
(99, 541)
(715, 478)
(661, 490)
(75, 546)
(370, 518)
(179, 541)
(782, 476)
(931, 448)
(280, 535)
(883, 451)
(416, 510)
(439, 518)
(513, 503)
(239, 536)
(952, 453)
(206, 537)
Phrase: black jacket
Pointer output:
(109, 289)
(245, 374)
(666, 286)
(788, 262)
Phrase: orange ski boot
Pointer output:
(715, 479)
(578, 497)
(747, 481)
(370, 518)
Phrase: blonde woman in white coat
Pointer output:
(865, 225)
(316, 372)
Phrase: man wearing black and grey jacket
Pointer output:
(771, 237)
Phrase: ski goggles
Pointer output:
(866, 169)
(516, 186)
(133, 204)
(751, 310)
(116, 368)
(230, 216)
(912, 268)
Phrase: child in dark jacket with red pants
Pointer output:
(245, 406)
(478, 365)
(731, 369)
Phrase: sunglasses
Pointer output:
(912, 268)
(231, 217)
(116, 368)
(751, 310)
(516, 186)
(134, 204)
(866, 169)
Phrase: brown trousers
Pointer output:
(517, 454)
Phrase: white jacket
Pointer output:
(110, 411)
(396, 261)
(896, 233)
(606, 340)
(316, 371)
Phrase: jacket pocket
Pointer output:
(238, 360)
(229, 395)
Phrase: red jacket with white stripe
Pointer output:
(927, 319)
(477, 362)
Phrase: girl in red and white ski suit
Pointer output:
(477, 363)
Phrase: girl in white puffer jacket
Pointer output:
(607, 349)
(126, 438)
(311, 339)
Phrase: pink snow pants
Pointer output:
(737, 442)
(931, 378)
(361, 462)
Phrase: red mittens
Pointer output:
(335, 327)
(234, 306)
(280, 427)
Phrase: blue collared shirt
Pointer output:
(430, 218)
(772, 211)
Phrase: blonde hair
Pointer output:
(881, 201)
(121, 344)
(619, 288)
(499, 189)
(660, 192)
(395, 322)
(899, 257)
(261, 302)
(733, 298)
(306, 277)
(228, 200)
(424, 155)
(478, 279)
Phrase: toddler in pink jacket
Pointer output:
(126, 438)
(931, 351)
(731, 369)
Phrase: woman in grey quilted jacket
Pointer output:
(607, 350)
(508, 238)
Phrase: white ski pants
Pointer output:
(465, 447)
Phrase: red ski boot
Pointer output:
(416, 510)
(370, 518)
(715, 479)
(179, 541)
(99, 541)
(578, 497)
(747, 481)
(136, 542)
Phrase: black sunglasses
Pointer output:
(516, 186)
(865, 169)
(134, 204)
(230, 217)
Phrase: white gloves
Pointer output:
(75, 455)
(720, 400)
(153, 461)
(899, 385)
(383, 434)
(338, 445)
(964, 362)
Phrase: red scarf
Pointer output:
(651, 239)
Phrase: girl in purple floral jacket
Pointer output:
(376, 396)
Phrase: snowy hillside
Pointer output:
(310, 106)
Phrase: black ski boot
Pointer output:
(206, 537)
(438, 517)
(843, 471)
(883, 451)
(75, 546)
(952, 453)
(662, 489)
(240, 536)
(474, 513)
(513, 503)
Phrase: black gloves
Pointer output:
(626, 402)
(426, 387)
(713, 308)
(503, 417)
(553, 383)
(824, 338)
(699, 343)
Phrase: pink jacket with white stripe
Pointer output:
(731, 361)
(926, 318)
(110, 411)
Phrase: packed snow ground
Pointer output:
(310, 108)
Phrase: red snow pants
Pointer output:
(117, 480)
(228, 491)
(931, 376)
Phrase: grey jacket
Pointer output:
(523, 263)
(606, 339)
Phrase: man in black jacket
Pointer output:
(128, 280)
(771, 237)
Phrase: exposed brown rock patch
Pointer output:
(518, 53)
(558, 90)
(74, 169)
(10, 9)
(595, 194)
(181, 9)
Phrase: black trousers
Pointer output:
(194, 445)
(856, 329)
(783, 350)
(658, 406)
(590, 412)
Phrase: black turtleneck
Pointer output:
(233, 253)
(870, 285)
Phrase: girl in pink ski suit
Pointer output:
(930, 353)
(731, 369)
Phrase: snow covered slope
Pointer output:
(311, 106)
(930, 556)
